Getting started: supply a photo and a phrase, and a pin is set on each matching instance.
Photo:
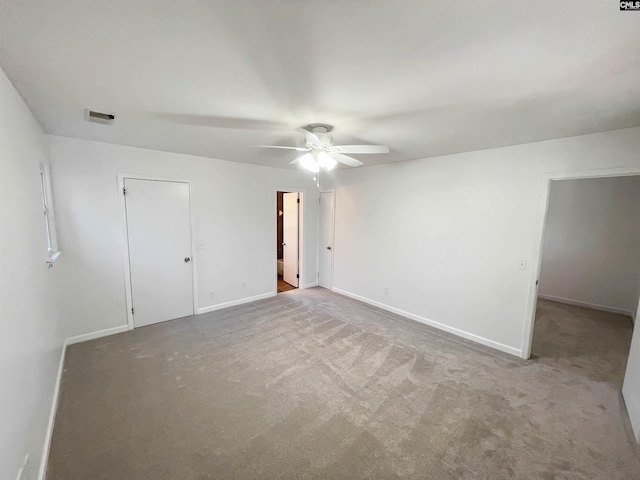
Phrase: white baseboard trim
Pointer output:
(233, 303)
(52, 417)
(440, 326)
(310, 285)
(594, 306)
(100, 333)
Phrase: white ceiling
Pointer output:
(424, 77)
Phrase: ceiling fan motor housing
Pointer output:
(320, 130)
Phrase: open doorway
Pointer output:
(288, 245)
(589, 278)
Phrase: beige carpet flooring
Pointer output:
(313, 385)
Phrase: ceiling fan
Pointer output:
(320, 152)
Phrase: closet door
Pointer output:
(327, 209)
(159, 237)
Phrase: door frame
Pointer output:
(333, 237)
(125, 240)
(301, 249)
(538, 238)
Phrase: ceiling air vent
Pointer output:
(99, 117)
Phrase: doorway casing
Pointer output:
(541, 220)
(125, 241)
(301, 250)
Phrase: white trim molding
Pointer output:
(42, 472)
(100, 333)
(594, 306)
(432, 323)
(233, 303)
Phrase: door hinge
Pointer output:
(297, 275)
(131, 310)
(298, 200)
(124, 191)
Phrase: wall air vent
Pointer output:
(99, 117)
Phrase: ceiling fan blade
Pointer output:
(312, 138)
(360, 149)
(299, 149)
(352, 162)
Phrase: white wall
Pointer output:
(31, 339)
(591, 250)
(446, 235)
(234, 206)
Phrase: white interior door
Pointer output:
(327, 209)
(159, 236)
(290, 238)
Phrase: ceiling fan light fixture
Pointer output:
(326, 161)
(321, 153)
(309, 162)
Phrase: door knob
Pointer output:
(187, 259)
(283, 244)
(328, 248)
